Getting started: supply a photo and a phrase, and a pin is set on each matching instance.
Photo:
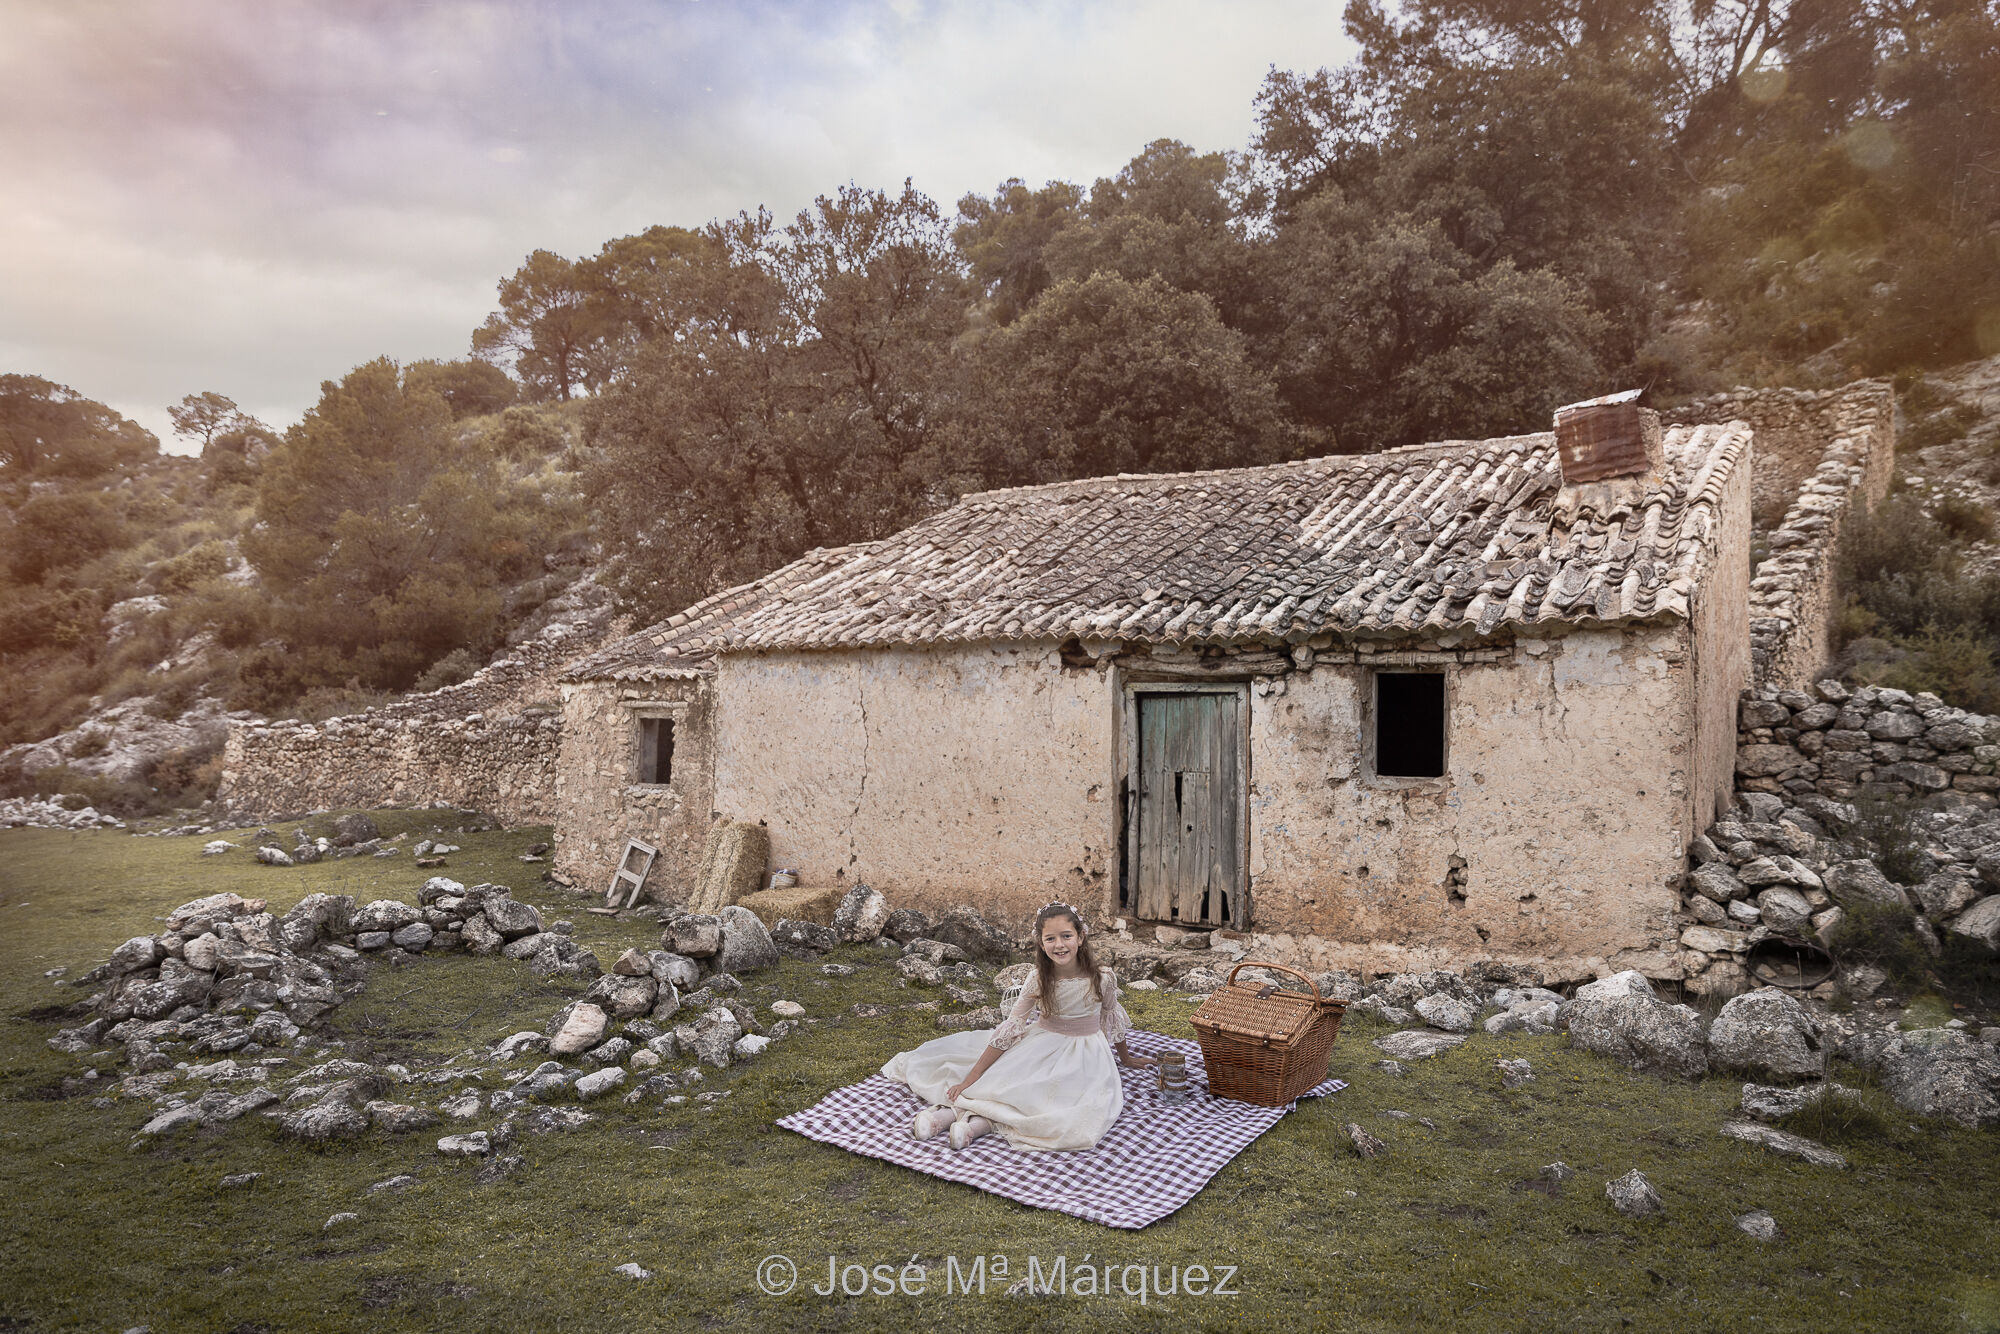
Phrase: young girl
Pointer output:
(1044, 1082)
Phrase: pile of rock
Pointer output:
(1767, 1034)
(50, 813)
(1169, 956)
(1790, 867)
(226, 974)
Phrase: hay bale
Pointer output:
(801, 905)
(732, 865)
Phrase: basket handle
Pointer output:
(1280, 968)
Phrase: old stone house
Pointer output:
(1454, 701)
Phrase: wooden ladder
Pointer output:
(629, 879)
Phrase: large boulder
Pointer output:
(980, 939)
(580, 1028)
(1861, 883)
(807, 938)
(510, 917)
(1945, 894)
(675, 969)
(136, 953)
(559, 956)
(1717, 883)
(1777, 869)
(715, 1035)
(906, 924)
(1941, 1072)
(746, 945)
(480, 937)
(1980, 922)
(1766, 1032)
(622, 996)
(177, 985)
(351, 829)
(334, 1116)
(861, 915)
(1785, 910)
(385, 915)
(1627, 984)
(202, 914)
(313, 916)
(1644, 1032)
(1446, 1012)
(696, 935)
(416, 937)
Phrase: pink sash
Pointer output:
(1080, 1027)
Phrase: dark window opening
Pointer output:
(656, 750)
(1409, 724)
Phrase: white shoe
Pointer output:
(928, 1123)
(959, 1136)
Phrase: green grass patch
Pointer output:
(1451, 1229)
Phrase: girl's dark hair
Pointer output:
(1045, 967)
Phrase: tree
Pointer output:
(201, 416)
(1393, 335)
(61, 529)
(792, 394)
(381, 543)
(551, 328)
(1005, 240)
(1107, 375)
(470, 388)
(1166, 214)
(50, 430)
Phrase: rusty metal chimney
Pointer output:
(1607, 437)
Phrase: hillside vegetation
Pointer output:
(1495, 208)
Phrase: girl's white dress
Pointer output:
(1048, 1090)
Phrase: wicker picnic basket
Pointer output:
(1264, 1045)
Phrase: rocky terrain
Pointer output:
(216, 1017)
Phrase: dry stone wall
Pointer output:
(1818, 455)
(490, 743)
(1837, 742)
(1784, 865)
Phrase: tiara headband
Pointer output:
(1058, 903)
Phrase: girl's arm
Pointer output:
(979, 1067)
(1116, 1023)
(1011, 1031)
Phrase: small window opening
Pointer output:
(1409, 724)
(656, 750)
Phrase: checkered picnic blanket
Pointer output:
(1152, 1161)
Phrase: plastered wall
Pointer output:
(961, 774)
(1557, 836)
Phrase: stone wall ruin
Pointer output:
(489, 743)
(1817, 454)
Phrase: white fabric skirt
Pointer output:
(1045, 1092)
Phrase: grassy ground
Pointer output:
(1449, 1230)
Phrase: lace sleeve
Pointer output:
(1015, 1026)
(1112, 1018)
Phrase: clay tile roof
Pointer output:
(1462, 535)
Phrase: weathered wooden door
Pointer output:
(1189, 860)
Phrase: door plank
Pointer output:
(1189, 861)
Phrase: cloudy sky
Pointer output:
(252, 196)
